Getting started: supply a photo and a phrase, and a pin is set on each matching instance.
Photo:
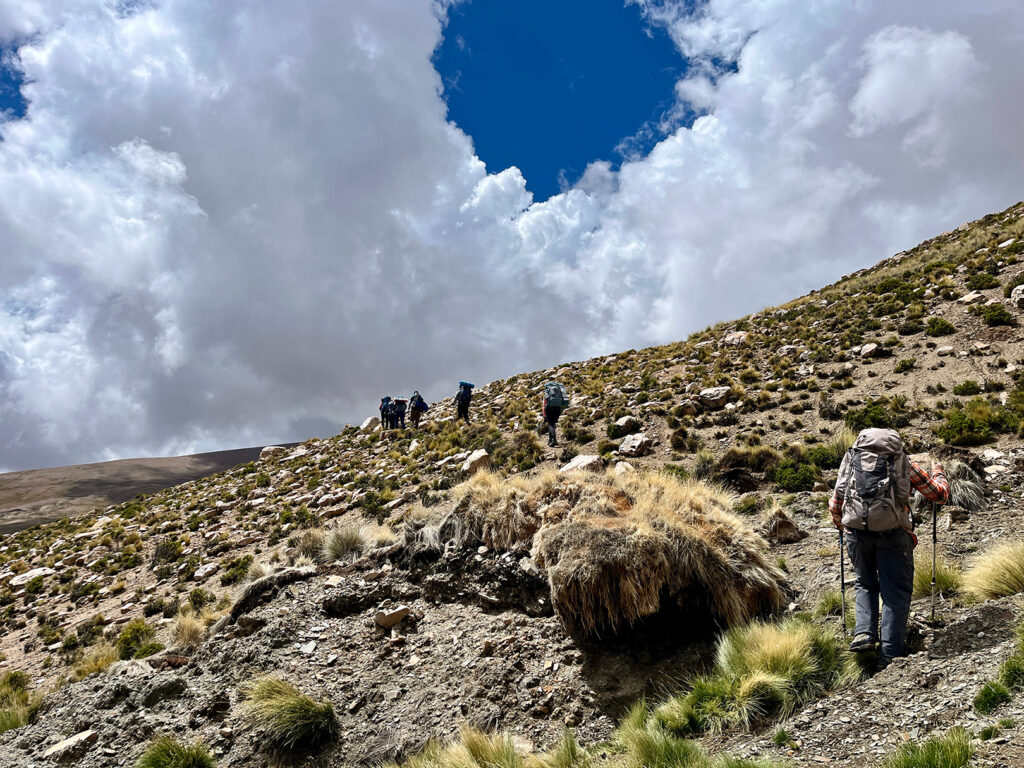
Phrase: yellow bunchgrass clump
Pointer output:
(762, 671)
(998, 572)
(18, 705)
(289, 718)
(342, 541)
(948, 578)
(96, 660)
(619, 548)
(189, 629)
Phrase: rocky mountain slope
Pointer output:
(362, 568)
(34, 496)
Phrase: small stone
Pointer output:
(389, 618)
(72, 748)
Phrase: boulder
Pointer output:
(72, 748)
(370, 424)
(780, 528)
(206, 571)
(1017, 297)
(24, 578)
(627, 425)
(714, 397)
(688, 408)
(477, 460)
(162, 688)
(638, 444)
(869, 350)
(624, 468)
(944, 351)
(787, 350)
(974, 297)
(584, 463)
(270, 451)
(736, 339)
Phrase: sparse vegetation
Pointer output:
(998, 572)
(18, 705)
(136, 640)
(167, 752)
(762, 671)
(938, 326)
(948, 578)
(287, 717)
(951, 750)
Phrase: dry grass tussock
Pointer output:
(18, 704)
(948, 579)
(762, 671)
(619, 548)
(636, 745)
(166, 752)
(997, 572)
(287, 717)
(189, 629)
(96, 660)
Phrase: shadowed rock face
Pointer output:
(34, 496)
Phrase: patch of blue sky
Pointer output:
(550, 86)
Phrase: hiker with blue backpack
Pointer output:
(400, 404)
(385, 413)
(871, 506)
(462, 399)
(555, 401)
(417, 407)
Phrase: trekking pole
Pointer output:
(842, 581)
(935, 539)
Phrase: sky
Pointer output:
(228, 224)
(596, 85)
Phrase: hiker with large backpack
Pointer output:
(400, 407)
(871, 505)
(417, 407)
(385, 413)
(555, 401)
(462, 398)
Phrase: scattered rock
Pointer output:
(271, 451)
(714, 397)
(974, 297)
(627, 425)
(635, 445)
(624, 468)
(944, 351)
(206, 571)
(390, 617)
(584, 463)
(477, 460)
(24, 578)
(1017, 297)
(72, 748)
(869, 350)
(370, 424)
(737, 338)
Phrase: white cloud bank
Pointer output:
(232, 223)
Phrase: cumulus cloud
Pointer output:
(236, 223)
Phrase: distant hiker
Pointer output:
(400, 406)
(555, 401)
(417, 407)
(462, 398)
(871, 502)
(385, 412)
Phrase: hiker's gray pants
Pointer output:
(884, 564)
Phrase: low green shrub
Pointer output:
(968, 388)
(136, 640)
(981, 281)
(997, 314)
(794, 477)
(939, 326)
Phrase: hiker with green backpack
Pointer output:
(555, 401)
(871, 506)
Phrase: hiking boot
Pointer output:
(862, 642)
(883, 662)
